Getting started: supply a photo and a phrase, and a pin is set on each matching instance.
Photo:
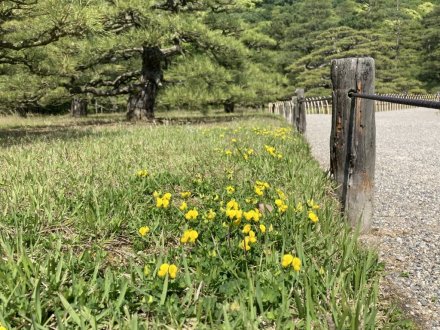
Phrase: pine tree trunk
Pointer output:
(78, 107)
(229, 107)
(141, 103)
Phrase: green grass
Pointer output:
(71, 256)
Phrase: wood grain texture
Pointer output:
(353, 139)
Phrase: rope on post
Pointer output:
(397, 100)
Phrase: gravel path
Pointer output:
(406, 227)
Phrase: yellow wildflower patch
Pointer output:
(246, 229)
(185, 194)
(191, 214)
(313, 217)
(164, 201)
(183, 206)
(141, 174)
(144, 230)
(282, 207)
(189, 236)
(232, 205)
(167, 269)
(210, 215)
(252, 215)
(286, 260)
(289, 260)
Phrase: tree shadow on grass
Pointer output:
(26, 135)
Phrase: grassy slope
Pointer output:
(71, 206)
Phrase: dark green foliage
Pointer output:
(401, 35)
(243, 52)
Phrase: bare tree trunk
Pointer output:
(141, 103)
(78, 107)
(229, 106)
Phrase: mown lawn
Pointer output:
(218, 226)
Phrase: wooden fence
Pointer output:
(323, 105)
(353, 133)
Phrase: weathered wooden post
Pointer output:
(353, 138)
(300, 119)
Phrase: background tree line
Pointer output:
(57, 55)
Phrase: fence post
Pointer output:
(300, 119)
(353, 139)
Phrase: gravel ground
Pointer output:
(406, 227)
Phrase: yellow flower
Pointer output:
(252, 215)
(228, 152)
(262, 184)
(258, 191)
(163, 202)
(246, 229)
(234, 140)
(281, 194)
(251, 200)
(250, 152)
(311, 203)
(245, 156)
(313, 217)
(237, 214)
(172, 270)
(282, 207)
(270, 150)
(183, 206)
(280, 156)
(189, 236)
(244, 245)
(296, 264)
(185, 194)
(262, 228)
(286, 260)
(140, 173)
(163, 270)
(210, 215)
(231, 213)
(232, 205)
(144, 230)
(230, 190)
(191, 214)
(156, 194)
(2, 327)
(252, 238)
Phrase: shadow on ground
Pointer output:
(25, 135)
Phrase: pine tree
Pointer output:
(27, 27)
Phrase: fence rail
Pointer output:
(353, 136)
(323, 105)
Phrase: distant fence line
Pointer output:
(323, 105)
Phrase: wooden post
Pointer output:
(295, 111)
(353, 139)
(300, 119)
